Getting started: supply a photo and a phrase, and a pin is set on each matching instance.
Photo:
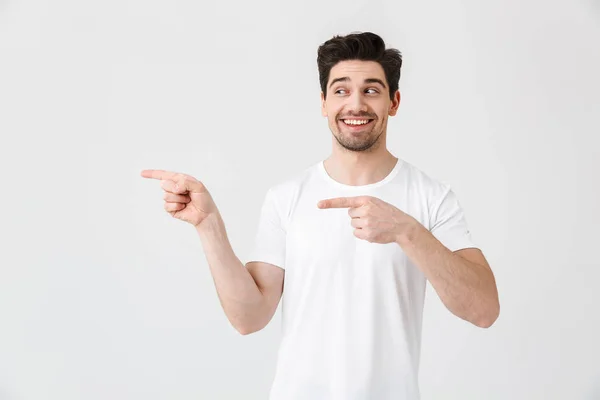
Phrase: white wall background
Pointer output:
(104, 296)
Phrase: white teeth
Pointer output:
(356, 122)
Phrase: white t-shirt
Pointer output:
(351, 310)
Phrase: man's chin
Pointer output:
(356, 145)
(359, 141)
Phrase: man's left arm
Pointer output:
(462, 279)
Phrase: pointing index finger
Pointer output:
(157, 174)
(340, 202)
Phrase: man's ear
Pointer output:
(395, 104)
(323, 109)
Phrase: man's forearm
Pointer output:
(467, 289)
(238, 293)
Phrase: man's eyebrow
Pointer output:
(346, 79)
(336, 80)
(375, 80)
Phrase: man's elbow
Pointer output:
(488, 318)
(248, 329)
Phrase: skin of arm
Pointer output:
(462, 279)
(248, 294)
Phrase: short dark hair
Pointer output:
(364, 46)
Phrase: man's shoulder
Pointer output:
(421, 177)
(284, 191)
(426, 186)
(292, 182)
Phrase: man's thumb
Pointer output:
(191, 185)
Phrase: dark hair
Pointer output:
(365, 46)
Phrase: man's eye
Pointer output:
(373, 90)
(340, 90)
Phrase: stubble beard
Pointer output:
(366, 142)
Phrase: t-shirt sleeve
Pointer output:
(449, 224)
(269, 242)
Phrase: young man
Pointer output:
(355, 238)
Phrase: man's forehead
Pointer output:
(357, 70)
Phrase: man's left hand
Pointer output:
(373, 219)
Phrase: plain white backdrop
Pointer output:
(104, 296)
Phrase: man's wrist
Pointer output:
(211, 225)
(409, 232)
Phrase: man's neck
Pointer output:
(360, 168)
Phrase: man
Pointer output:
(355, 238)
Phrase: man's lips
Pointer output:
(356, 123)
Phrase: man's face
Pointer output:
(358, 103)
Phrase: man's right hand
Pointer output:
(185, 197)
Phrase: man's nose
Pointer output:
(357, 103)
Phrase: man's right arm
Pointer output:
(248, 294)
